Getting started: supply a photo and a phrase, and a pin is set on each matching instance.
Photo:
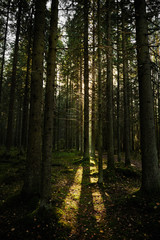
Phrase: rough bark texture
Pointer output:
(49, 107)
(110, 146)
(34, 152)
(125, 90)
(86, 84)
(150, 169)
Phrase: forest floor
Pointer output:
(82, 209)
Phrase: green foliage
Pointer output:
(66, 155)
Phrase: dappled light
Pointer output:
(100, 210)
(98, 203)
(93, 171)
(70, 205)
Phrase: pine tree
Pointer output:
(32, 181)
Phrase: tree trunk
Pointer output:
(49, 107)
(86, 83)
(150, 168)
(100, 140)
(9, 139)
(27, 92)
(118, 89)
(93, 139)
(125, 90)
(110, 145)
(81, 110)
(34, 152)
(66, 125)
(3, 52)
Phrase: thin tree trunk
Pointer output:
(93, 140)
(26, 92)
(1, 74)
(49, 107)
(150, 168)
(118, 90)
(77, 113)
(86, 83)
(18, 125)
(81, 110)
(32, 183)
(126, 91)
(9, 139)
(100, 140)
(110, 145)
(66, 127)
(3, 51)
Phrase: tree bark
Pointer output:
(150, 168)
(27, 91)
(109, 93)
(49, 107)
(32, 183)
(100, 139)
(3, 51)
(86, 83)
(9, 137)
(125, 90)
(93, 139)
(118, 89)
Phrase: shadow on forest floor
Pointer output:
(83, 209)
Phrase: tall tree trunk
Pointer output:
(18, 125)
(118, 88)
(110, 144)
(32, 182)
(77, 130)
(9, 139)
(27, 91)
(66, 126)
(49, 107)
(150, 168)
(2, 71)
(81, 109)
(86, 83)
(3, 51)
(125, 90)
(93, 139)
(100, 140)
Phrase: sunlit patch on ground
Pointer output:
(98, 203)
(99, 208)
(71, 203)
(93, 172)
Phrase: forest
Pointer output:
(80, 119)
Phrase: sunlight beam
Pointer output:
(71, 202)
